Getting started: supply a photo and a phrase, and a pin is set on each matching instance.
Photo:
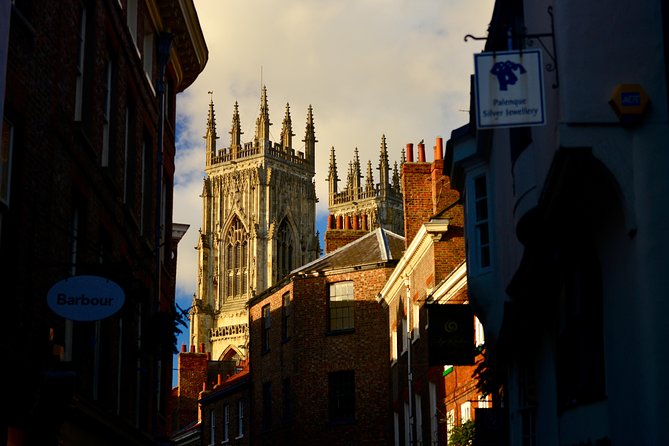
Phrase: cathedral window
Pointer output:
(236, 265)
(285, 250)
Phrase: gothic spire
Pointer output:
(263, 123)
(369, 181)
(332, 176)
(396, 178)
(355, 174)
(287, 130)
(235, 132)
(384, 167)
(310, 138)
(210, 135)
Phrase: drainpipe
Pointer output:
(164, 45)
(407, 283)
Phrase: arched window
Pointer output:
(284, 250)
(236, 261)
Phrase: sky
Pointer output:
(398, 68)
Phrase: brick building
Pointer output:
(319, 348)
(430, 273)
(88, 146)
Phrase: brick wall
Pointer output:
(336, 238)
(312, 353)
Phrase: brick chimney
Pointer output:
(192, 375)
(426, 189)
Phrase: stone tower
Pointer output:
(258, 224)
(362, 207)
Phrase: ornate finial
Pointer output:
(211, 96)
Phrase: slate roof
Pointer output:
(379, 246)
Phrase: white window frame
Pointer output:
(393, 346)
(396, 428)
(240, 418)
(226, 424)
(479, 332)
(131, 19)
(148, 50)
(407, 424)
(475, 222)
(465, 412)
(450, 423)
(212, 427)
(483, 402)
(415, 321)
(434, 420)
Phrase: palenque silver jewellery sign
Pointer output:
(509, 89)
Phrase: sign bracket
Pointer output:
(529, 39)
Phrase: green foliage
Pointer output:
(462, 435)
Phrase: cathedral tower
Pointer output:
(258, 224)
(362, 207)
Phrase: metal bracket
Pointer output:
(529, 39)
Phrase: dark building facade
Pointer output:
(319, 349)
(88, 146)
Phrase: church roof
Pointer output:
(379, 246)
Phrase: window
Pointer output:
(6, 149)
(479, 333)
(287, 400)
(106, 114)
(341, 391)
(341, 306)
(434, 420)
(147, 53)
(415, 321)
(483, 402)
(266, 324)
(267, 405)
(419, 419)
(465, 412)
(240, 418)
(286, 318)
(226, 423)
(481, 226)
(393, 345)
(396, 427)
(236, 260)
(130, 160)
(580, 338)
(131, 19)
(212, 427)
(285, 250)
(450, 423)
(146, 223)
(79, 86)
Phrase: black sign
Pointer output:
(450, 334)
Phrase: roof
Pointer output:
(379, 246)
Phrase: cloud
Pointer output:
(368, 68)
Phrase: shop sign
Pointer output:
(509, 89)
(85, 298)
(450, 334)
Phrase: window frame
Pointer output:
(480, 255)
(240, 418)
(346, 321)
(265, 326)
(341, 397)
(286, 317)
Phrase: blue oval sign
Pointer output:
(85, 298)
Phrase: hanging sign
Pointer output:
(450, 334)
(509, 89)
(85, 298)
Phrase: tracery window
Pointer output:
(285, 250)
(236, 261)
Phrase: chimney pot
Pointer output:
(439, 149)
(421, 152)
(410, 153)
(192, 349)
(183, 348)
